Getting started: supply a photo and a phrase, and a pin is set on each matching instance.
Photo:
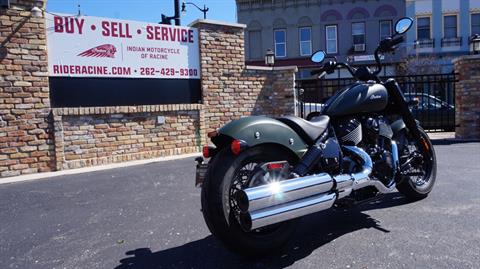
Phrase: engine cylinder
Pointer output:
(349, 131)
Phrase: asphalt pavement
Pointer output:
(148, 216)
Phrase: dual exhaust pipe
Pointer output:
(288, 199)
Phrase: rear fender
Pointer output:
(257, 130)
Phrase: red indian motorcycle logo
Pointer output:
(102, 51)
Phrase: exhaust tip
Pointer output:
(246, 222)
(242, 200)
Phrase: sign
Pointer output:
(82, 46)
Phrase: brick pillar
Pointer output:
(230, 89)
(467, 97)
(26, 144)
(221, 62)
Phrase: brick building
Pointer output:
(442, 29)
(293, 29)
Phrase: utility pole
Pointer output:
(177, 12)
(176, 16)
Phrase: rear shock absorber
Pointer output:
(312, 157)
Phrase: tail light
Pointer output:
(274, 166)
(208, 151)
(238, 146)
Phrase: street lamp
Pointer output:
(475, 41)
(204, 10)
(269, 58)
(37, 12)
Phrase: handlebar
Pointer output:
(385, 46)
(397, 41)
(330, 67)
(317, 71)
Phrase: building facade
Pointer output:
(443, 29)
(293, 29)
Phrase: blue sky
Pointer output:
(145, 10)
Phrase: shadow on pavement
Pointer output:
(315, 231)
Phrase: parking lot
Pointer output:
(148, 216)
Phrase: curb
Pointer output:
(449, 141)
(441, 135)
(93, 168)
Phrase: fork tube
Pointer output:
(395, 93)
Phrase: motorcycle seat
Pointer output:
(307, 130)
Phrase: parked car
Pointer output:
(432, 112)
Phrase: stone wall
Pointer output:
(231, 89)
(467, 97)
(95, 136)
(26, 140)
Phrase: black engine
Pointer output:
(379, 147)
(374, 135)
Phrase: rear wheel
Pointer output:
(228, 173)
(418, 165)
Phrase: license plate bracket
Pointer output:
(201, 172)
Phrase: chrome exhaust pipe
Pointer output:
(282, 192)
(288, 199)
(362, 179)
(280, 213)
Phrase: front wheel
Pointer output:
(228, 173)
(418, 165)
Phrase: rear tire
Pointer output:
(412, 189)
(219, 178)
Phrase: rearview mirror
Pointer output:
(403, 25)
(318, 56)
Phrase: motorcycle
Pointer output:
(264, 173)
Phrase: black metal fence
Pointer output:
(435, 94)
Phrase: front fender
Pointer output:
(399, 125)
(270, 131)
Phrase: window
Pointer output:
(450, 26)
(305, 34)
(280, 42)
(475, 23)
(385, 29)
(423, 28)
(331, 39)
(358, 33)
(255, 44)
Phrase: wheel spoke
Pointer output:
(415, 169)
